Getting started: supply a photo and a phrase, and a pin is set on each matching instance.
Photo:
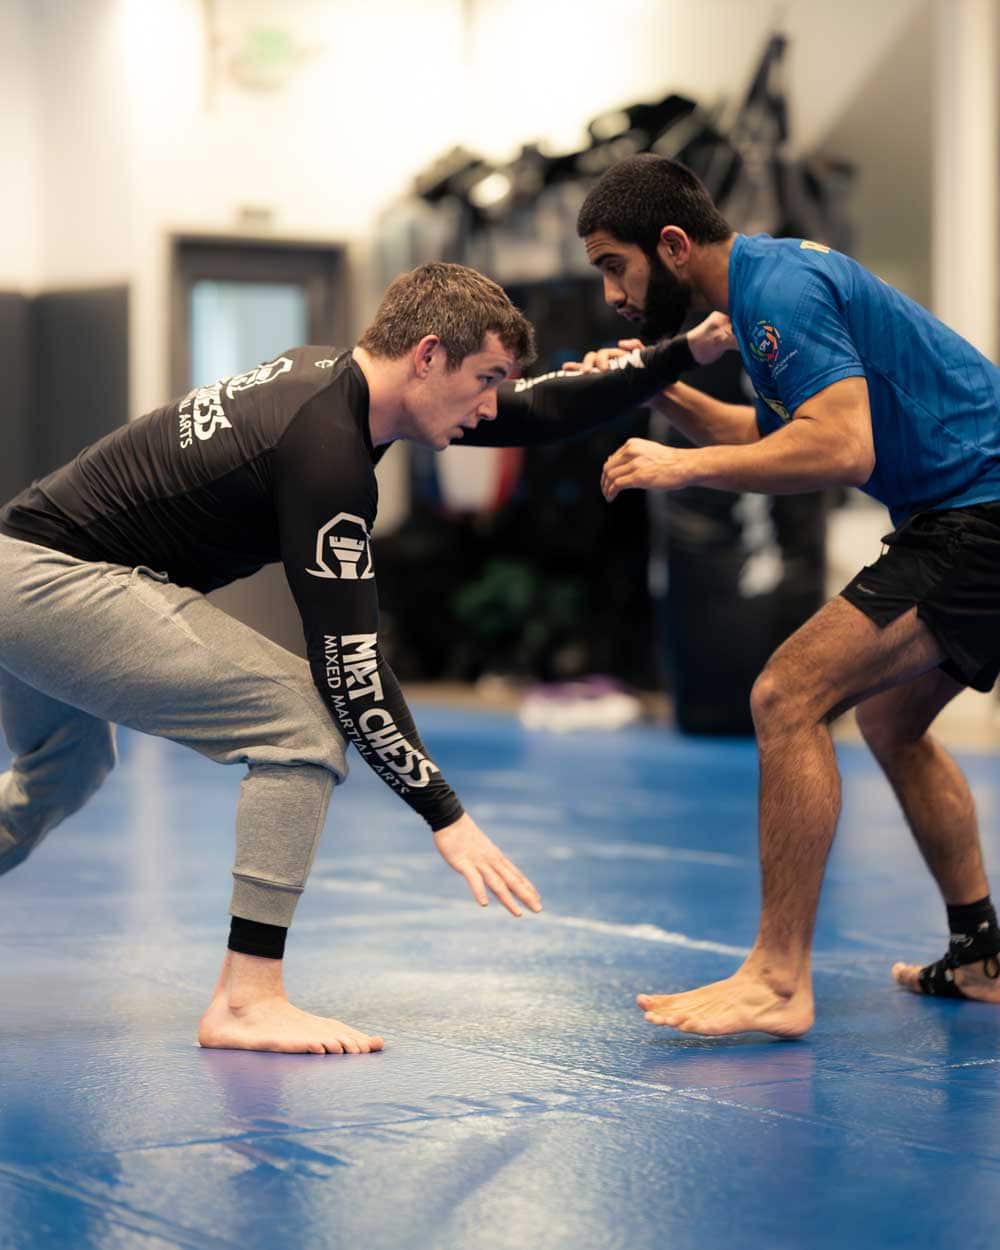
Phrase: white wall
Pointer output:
(130, 129)
(371, 104)
(966, 182)
(543, 67)
(320, 156)
(886, 129)
(86, 183)
(19, 231)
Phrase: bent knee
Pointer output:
(306, 737)
(53, 782)
(769, 697)
(74, 770)
(780, 700)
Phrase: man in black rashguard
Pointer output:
(104, 566)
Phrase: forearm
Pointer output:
(365, 700)
(704, 420)
(559, 405)
(792, 461)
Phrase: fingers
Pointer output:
(467, 850)
(637, 464)
(591, 361)
(475, 882)
(614, 473)
(630, 345)
(601, 360)
(613, 485)
(521, 886)
(622, 476)
(506, 882)
(499, 888)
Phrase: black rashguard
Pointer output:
(278, 464)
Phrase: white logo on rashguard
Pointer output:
(258, 377)
(343, 550)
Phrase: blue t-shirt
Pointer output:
(805, 316)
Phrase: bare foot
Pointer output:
(274, 1024)
(250, 1011)
(740, 1004)
(971, 979)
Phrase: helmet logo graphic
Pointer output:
(343, 550)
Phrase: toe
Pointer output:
(906, 975)
(376, 1043)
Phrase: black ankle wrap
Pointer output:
(967, 917)
(964, 948)
(250, 937)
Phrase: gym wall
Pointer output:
(64, 364)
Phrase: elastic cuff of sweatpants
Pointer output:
(263, 901)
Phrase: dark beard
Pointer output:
(667, 302)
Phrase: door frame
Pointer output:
(321, 268)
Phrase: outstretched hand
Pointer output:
(600, 361)
(464, 847)
(708, 340)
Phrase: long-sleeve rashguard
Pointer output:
(277, 464)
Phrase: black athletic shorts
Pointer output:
(947, 565)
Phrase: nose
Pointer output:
(488, 408)
(613, 293)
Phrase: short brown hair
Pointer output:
(456, 303)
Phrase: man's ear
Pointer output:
(423, 354)
(674, 245)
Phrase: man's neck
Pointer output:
(385, 409)
(711, 274)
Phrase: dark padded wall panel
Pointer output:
(80, 374)
(16, 413)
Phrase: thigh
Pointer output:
(30, 719)
(906, 712)
(947, 566)
(839, 657)
(128, 646)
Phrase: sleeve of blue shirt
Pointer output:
(816, 346)
(767, 420)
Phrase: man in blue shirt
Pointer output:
(856, 385)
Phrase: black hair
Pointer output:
(637, 197)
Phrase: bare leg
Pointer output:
(835, 659)
(936, 802)
(931, 789)
(250, 1011)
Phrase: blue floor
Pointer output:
(522, 1101)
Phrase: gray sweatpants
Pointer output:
(85, 646)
